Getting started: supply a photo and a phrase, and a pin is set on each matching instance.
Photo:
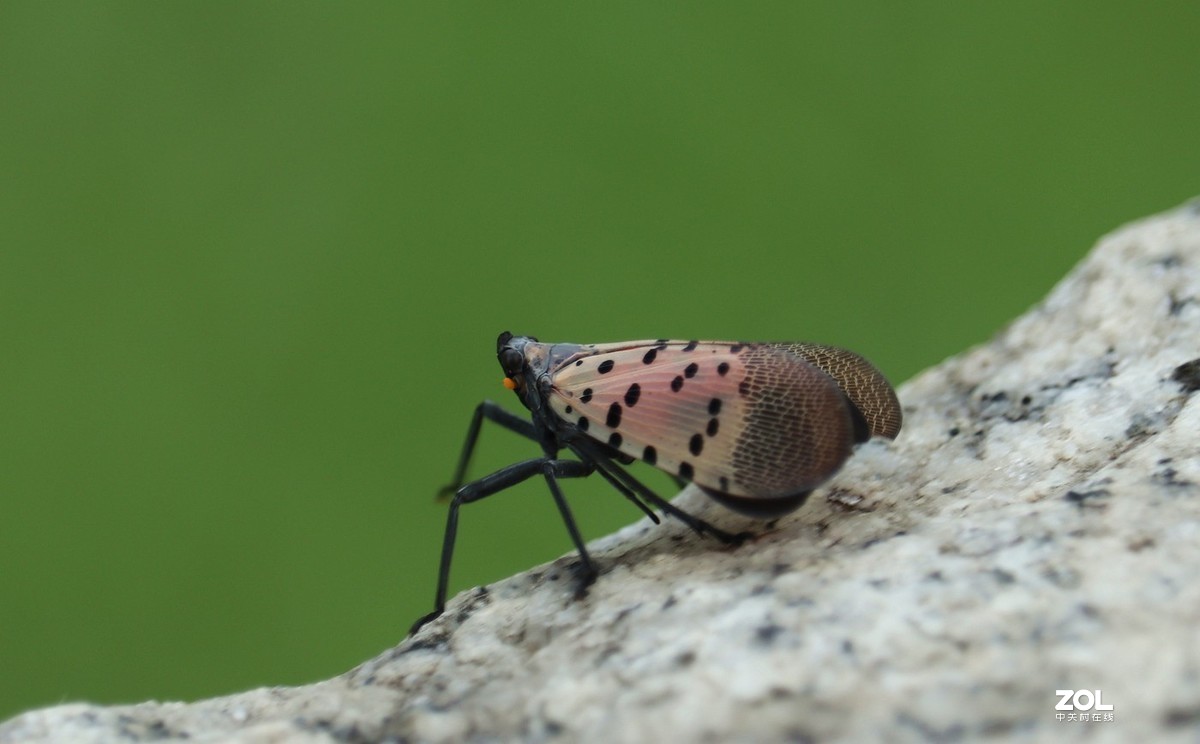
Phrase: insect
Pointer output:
(757, 426)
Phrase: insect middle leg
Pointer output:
(494, 483)
(492, 412)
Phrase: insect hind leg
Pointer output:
(627, 493)
(607, 467)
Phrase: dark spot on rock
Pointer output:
(1182, 717)
(1188, 375)
(1139, 544)
(1141, 426)
(1082, 498)
(1169, 476)
(766, 634)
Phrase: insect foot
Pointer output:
(585, 575)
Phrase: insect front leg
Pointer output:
(491, 484)
(492, 412)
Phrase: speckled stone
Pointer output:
(1036, 526)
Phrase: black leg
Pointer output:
(487, 486)
(605, 464)
(629, 495)
(493, 412)
(588, 568)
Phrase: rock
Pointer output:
(1035, 527)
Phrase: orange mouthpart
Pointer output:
(510, 383)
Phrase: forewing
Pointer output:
(751, 420)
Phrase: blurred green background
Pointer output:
(254, 258)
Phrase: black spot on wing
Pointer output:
(614, 416)
(650, 455)
(696, 444)
(614, 440)
(723, 369)
(649, 356)
(714, 406)
(691, 370)
(587, 396)
(713, 425)
(582, 424)
(677, 383)
(685, 470)
(632, 394)
(605, 367)
(691, 346)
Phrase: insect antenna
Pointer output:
(611, 471)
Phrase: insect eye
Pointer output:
(511, 361)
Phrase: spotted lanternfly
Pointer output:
(756, 426)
